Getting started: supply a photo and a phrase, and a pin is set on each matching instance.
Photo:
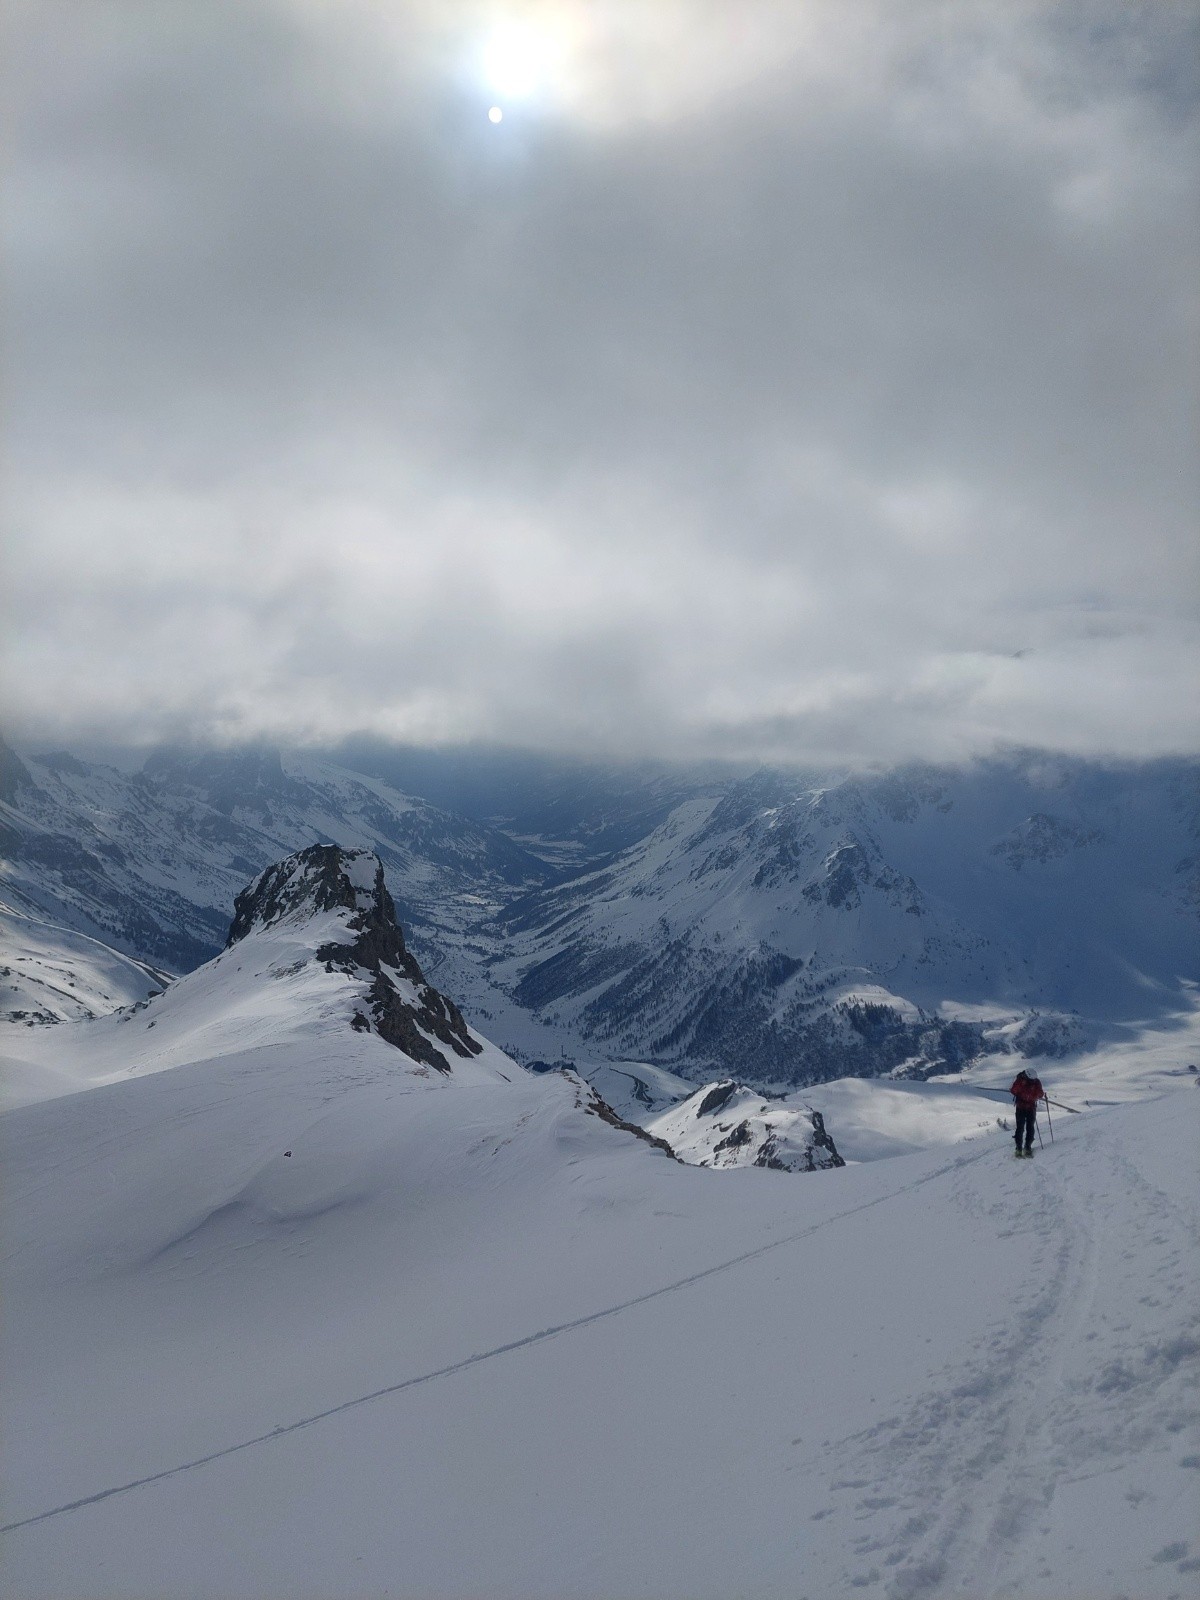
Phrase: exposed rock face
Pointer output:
(252, 779)
(303, 884)
(398, 1004)
(729, 1125)
(13, 772)
(1042, 838)
(852, 870)
(712, 1100)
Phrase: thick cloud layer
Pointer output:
(808, 381)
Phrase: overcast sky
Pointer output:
(812, 378)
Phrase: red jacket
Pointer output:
(1027, 1091)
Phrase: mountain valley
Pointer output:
(779, 929)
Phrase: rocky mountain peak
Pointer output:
(397, 1003)
(321, 878)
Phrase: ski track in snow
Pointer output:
(1005, 1443)
(974, 1435)
(499, 1350)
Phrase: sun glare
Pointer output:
(519, 61)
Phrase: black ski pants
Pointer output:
(1026, 1118)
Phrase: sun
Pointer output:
(519, 61)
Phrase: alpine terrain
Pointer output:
(312, 1290)
(779, 929)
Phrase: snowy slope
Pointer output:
(53, 974)
(635, 1090)
(314, 954)
(467, 1340)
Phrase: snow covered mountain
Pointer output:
(902, 923)
(729, 1125)
(49, 973)
(314, 954)
(149, 863)
(770, 929)
(364, 942)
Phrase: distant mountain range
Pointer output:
(905, 922)
(773, 928)
(150, 862)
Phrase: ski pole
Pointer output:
(1050, 1122)
(1038, 1126)
(1062, 1107)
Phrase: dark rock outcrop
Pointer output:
(309, 882)
(398, 1005)
(13, 772)
(717, 1097)
(822, 1141)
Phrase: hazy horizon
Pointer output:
(483, 761)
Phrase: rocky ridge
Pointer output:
(397, 1002)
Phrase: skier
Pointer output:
(1026, 1091)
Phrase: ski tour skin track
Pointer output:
(538, 1337)
(1042, 1447)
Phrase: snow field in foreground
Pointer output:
(946, 1374)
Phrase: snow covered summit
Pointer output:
(342, 893)
(315, 963)
(731, 1125)
(309, 882)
